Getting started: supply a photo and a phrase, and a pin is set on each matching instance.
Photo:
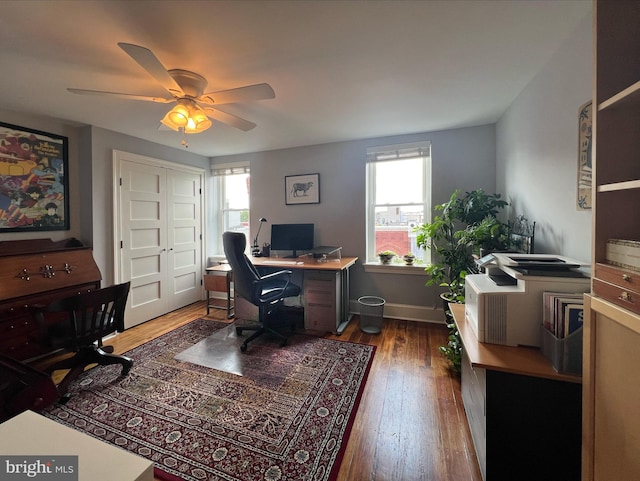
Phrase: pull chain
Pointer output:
(184, 138)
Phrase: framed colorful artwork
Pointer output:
(34, 188)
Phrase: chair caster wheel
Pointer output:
(64, 399)
(243, 348)
(239, 331)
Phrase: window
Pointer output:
(231, 200)
(398, 198)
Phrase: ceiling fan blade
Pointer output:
(261, 91)
(148, 61)
(121, 95)
(230, 119)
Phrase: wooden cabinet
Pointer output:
(323, 306)
(524, 417)
(474, 390)
(611, 393)
(35, 273)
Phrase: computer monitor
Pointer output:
(291, 237)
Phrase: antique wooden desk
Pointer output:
(37, 272)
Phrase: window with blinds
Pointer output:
(231, 200)
(398, 198)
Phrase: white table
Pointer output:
(30, 434)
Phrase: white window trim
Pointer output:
(414, 270)
(388, 153)
(219, 172)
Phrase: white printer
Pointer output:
(504, 305)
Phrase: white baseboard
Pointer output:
(407, 312)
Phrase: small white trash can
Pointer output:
(371, 314)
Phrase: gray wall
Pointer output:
(462, 159)
(537, 146)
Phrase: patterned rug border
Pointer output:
(163, 475)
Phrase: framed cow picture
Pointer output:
(302, 189)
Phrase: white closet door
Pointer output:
(158, 234)
(143, 221)
(184, 269)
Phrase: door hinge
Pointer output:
(120, 181)
(121, 245)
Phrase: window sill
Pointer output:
(415, 270)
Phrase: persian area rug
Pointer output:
(287, 417)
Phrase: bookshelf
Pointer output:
(611, 384)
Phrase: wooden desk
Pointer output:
(527, 361)
(525, 418)
(38, 272)
(325, 288)
(306, 263)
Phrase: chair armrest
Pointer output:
(277, 288)
(275, 275)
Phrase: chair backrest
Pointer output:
(244, 272)
(95, 314)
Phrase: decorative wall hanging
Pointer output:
(302, 189)
(584, 157)
(33, 180)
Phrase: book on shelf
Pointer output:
(573, 318)
(562, 312)
(623, 253)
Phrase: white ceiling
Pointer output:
(341, 70)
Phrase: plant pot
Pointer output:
(453, 349)
(409, 260)
(445, 305)
(385, 259)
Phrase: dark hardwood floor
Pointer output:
(410, 425)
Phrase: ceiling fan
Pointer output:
(193, 107)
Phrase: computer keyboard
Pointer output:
(280, 263)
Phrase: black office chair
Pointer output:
(266, 292)
(90, 316)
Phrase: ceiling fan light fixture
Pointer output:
(188, 116)
(177, 117)
(197, 121)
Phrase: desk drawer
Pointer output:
(619, 295)
(320, 291)
(624, 278)
(320, 317)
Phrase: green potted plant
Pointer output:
(451, 255)
(449, 238)
(386, 256)
(488, 235)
